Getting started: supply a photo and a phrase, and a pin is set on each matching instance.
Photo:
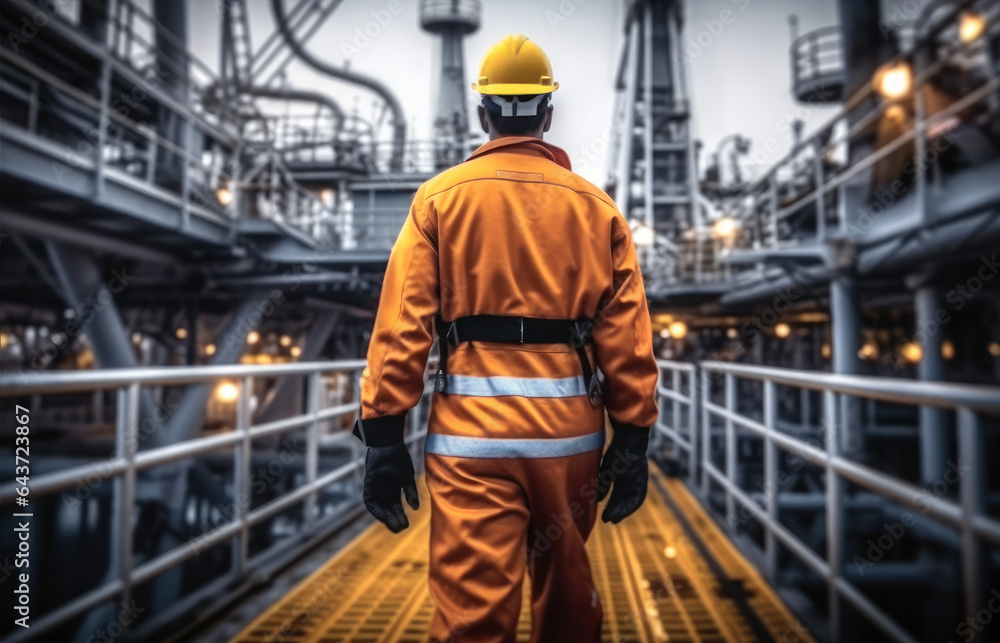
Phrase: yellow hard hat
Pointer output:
(515, 66)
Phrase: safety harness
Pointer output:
(518, 330)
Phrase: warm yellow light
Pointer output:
(912, 352)
(826, 350)
(994, 349)
(665, 334)
(947, 349)
(253, 337)
(971, 26)
(181, 333)
(643, 236)
(782, 330)
(895, 113)
(894, 82)
(286, 340)
(4, 340)
(869, 350)
(227, 392)
(670, 551)
(263, 358)
(224, 196)
(210, 349)
(732, 333)
(296, 351)
(136, 338)
(678, 329)
(725, 228)
(327, 196)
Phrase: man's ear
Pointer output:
(483, 121)
(548, 119)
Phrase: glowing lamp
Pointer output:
(970, 26)
(894, 81)
(227, 392)
(912, 352)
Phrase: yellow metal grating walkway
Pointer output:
(654, 582)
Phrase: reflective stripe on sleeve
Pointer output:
(499, 385)
(471, 447)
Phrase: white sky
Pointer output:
(738, 82)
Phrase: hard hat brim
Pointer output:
(515, 89)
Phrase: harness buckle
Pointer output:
(452, 334)
(581, 333)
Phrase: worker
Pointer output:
(529, 275)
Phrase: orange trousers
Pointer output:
(494, 519)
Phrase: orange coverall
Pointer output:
(514, 445)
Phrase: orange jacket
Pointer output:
(513, 231)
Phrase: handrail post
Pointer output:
(126, 443)
(313, 405)
(241, 479)
(972, 494)
(704, 395)
(834, 513)
(770, 481)
(820, 192)
(730, 401)
(675, 376)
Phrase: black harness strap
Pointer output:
(515, 330)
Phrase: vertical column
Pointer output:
(126, 441)
(647, 109)
(704, 398)
(770, 481)
(931, 368)
(241, 479)
(623, 193)
(845, 319)
(314, 393)
(834, 514)
(730, 394)
(973, 499)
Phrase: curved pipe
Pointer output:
(300, 95)
(399, 121)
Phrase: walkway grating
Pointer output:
(654, 583)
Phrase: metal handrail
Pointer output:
(128, 461)
(899, 391)
(969, 515)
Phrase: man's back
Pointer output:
(520, 234)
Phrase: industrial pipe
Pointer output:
(399, 121)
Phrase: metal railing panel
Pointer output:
(128, 461)
(969, 515)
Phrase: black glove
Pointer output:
(388, 471)
(625, 466)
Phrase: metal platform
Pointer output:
(655, 579)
